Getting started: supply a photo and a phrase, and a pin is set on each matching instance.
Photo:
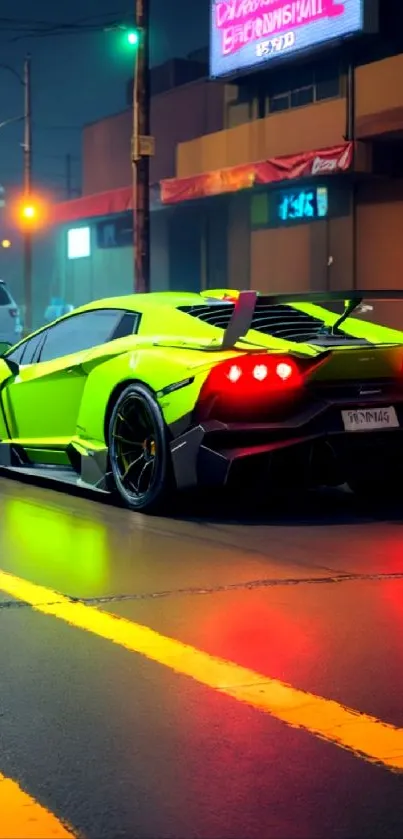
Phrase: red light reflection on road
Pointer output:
(242, 748)
(265, 636)
(392, 596)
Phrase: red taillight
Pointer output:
(255, 373)
(249, 384)
(13, 313)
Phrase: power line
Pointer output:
(42, 127)
(50, 25)
(59, 156)
(76, 22)
(40, 28)
(79, 30)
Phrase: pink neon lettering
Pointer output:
(244, 21)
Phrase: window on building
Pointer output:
(302, 96)
(78, 242)
(327, 81)
(116, 233)
(279, 103)
(302, 85)
(279, 89)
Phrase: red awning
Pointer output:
(307, 164)
(220, 181)
(101, 204)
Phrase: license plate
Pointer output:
(370, 419)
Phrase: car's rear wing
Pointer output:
(245, 304)
(328, 296)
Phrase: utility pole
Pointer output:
(28, 209)
(351, 137)
(27, 193)
(142, 149)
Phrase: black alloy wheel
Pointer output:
(139, 453)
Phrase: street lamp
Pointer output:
(25, 81)
(28, 211)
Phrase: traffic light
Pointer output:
(133, 37)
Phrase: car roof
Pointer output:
(141, 302)
(136, 303)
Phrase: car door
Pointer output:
(6, 376)
(42, 402)
(9, 369)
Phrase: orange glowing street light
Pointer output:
(29, 211)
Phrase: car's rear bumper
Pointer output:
(309, 449)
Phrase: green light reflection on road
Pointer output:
(69, 552)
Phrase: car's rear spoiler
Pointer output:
(244, 309)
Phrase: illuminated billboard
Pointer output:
(248, 34)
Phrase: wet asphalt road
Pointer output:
(120, 746)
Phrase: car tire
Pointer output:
(140, 467)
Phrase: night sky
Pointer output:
(78, 78)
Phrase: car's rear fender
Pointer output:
(173, 375)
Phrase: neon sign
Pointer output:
(246, 34)
(302, 204)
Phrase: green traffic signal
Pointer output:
(133, 38)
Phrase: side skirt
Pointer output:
(87, 467)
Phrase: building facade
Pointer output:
(89, 250)
(321, 141)
(289, 178)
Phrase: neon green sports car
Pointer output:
(146, 394)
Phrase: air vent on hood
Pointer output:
(280, 321)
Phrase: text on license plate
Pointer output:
(370, 419)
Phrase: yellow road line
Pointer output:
(21, 817)
(364, 735)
